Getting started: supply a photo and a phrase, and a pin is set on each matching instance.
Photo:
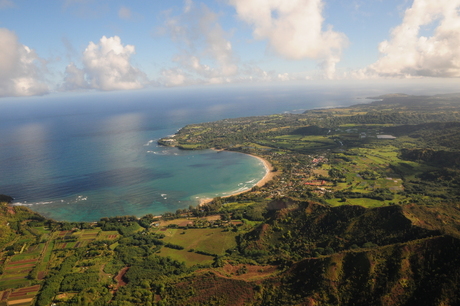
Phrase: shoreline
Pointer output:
(269, 175)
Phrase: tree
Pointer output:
(6, 199)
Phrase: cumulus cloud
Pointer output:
(74, 79)
(206, 54)
(106, 66)
(205, 50)
(409, 53)
(283, 77)
(176, 77)
(294, 29)
(21, 70)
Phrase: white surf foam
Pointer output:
(149, 143)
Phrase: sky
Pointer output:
(109, 45)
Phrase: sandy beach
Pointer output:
(269, 175)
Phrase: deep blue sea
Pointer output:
(81, 157)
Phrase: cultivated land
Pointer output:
(363, 208)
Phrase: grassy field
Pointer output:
(209, 240)
(370, 168)
(300, 142)
(369, 203)
(190, 258)
(237, 205)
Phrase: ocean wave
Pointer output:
(156, 153)
(33, 203)
(164, 152)
(75, 200)
(149, 143)
(241, 189)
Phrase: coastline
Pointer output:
(269, 175)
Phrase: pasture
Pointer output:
(209, 240)
(190, 258)
(206, 240)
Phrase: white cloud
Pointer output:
(294, 29)
(106, 66)
(74, 79)
(410, 54)
(205, 50)
(188, 6)
(21, 70)
(206, 54)
(283, 77)
(175, 77)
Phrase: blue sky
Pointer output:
(84, 45)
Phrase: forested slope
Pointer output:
(384, 256)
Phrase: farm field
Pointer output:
(299, 142)
(17, 268)
(20, 297)
(213, 241)
(190, 258)
(369, 203)
(92, 251)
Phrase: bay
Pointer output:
(82, 157)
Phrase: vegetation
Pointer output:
(352, 217)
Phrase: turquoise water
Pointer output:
(88, 156)
(154, 183)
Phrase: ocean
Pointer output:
(84, 156)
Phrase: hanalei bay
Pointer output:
(81, 158)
